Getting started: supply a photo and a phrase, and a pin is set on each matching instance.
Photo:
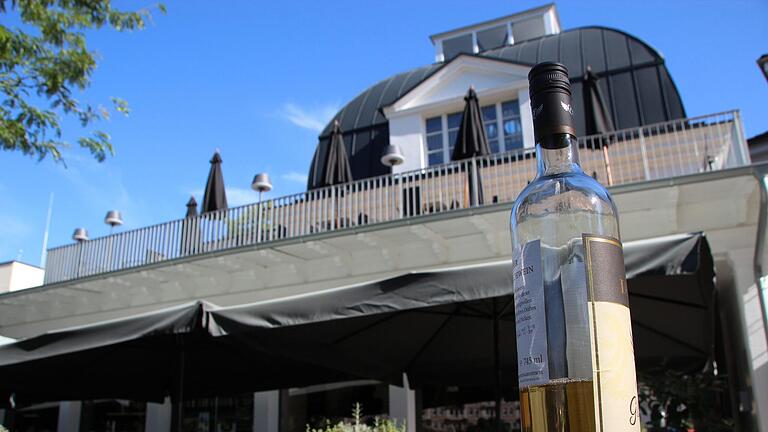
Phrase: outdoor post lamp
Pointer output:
(763, 63)
(260, 184)
(113, 219)
(392, 156)
(80, 236)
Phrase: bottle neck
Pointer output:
(559, 154)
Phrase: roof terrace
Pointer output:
(658, 151)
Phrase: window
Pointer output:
(457, 45)
(435, 140)
(513, 129)
(454, 123)
(502, 127)
(491, 127)
(491, 38)
(475, 41)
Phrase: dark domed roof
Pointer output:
(638, 87)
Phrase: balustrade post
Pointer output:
(740, 142)
(644, 154)
(258, 223)
(474, 184)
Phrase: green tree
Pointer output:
(44, 62)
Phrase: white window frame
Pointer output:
(501, 136)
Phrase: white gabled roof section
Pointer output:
(449, 84)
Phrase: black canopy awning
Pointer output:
(176, 352)
(436, 326)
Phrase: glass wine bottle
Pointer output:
(576, 366)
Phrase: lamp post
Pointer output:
(261, 184)
(80, 236)
(390, 157)
(112, 219)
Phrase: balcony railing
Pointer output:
(651, 152)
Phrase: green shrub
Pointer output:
(681, 401)
(379, 425)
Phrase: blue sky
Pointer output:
(258, 80)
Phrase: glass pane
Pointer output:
(112, 415)
(492, 38)
(489, 112)
(457, 45)
(436, 158)
(494, 145)
(452, 135)
(510, 109)
(434, 124)
(34, 419)
(454, 120)
(232, 413)
(513, 142)
(448, 415)
(512, 127)
(491, 130)
(435, 142)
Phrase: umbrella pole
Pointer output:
(607, 164)
(180, 393)
(473, 184)
(497, 365)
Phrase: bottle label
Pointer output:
(585, 303)
(613, 357)
(530, 316)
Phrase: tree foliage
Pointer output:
(44, 62)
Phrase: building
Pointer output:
(16, 275)
(669, 174)
(758, 146)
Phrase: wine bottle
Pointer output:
(576, 366)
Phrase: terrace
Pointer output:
(664, 150)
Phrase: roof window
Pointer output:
(496, 33)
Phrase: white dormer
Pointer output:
(496, 33)
(424, 121)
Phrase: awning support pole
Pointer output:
(762, 180)
(497, 365)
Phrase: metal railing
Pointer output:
(651, 152)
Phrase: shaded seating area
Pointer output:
(451, 328)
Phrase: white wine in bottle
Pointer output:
(576, 366)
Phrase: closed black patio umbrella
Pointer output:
(472, 141)
(190, 233)
(597, 119)
(191, 207)
(336, 167)
(215, 197)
